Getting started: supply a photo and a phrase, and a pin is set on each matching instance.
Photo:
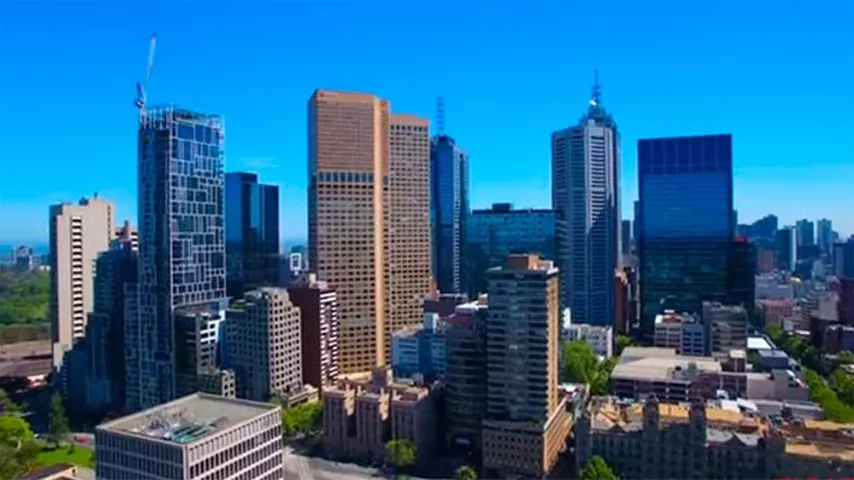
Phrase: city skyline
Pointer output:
(656, 88)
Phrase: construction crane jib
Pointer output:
(142, 87)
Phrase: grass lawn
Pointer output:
(80, 457)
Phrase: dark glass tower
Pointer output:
(686, 228)
(449, 208)
(181, 243)
(251, 233)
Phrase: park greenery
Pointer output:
(57, 420)
(466, 473)
(24, 297)
(400, 454)
(19, 449)
(580, 364)
(300, 420)
(597, 469)
(832, 388)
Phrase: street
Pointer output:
(298, 467)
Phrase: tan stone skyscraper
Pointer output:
(368, 203)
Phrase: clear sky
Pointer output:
(777, 75)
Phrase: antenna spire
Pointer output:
(596, 96)
(440, 115)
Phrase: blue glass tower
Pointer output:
(181, 243)
(685, 227)
(251, 233)
(449, 206)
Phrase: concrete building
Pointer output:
(600, 338)
(465, 373)
(197, 346)
(369, 218)
(319, 327)
(679, 440)
(526, 422)
(773, 287)
(684, 333)
(449, 212)
(263, 344)
(360, 417)
(585, 194)
(197, 436)
(181, 243)
(728, 326)
(420, 350)
(78, 233)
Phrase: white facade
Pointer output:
(771, 287)
(600, 339)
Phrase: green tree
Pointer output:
(580, 364)
(621, 343)
(303, 419)
(18, 448)
(57, 419)
(24, 297)
(597, 469)
(7, 405)
(466, 473)
(400, 453)
(846, 357)
(822, 394)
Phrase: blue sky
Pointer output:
(777, 75)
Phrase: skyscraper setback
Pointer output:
(181, 243)
(368, 214)
(585, 193)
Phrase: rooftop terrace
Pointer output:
(188, 419)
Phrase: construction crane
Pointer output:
(142, 87)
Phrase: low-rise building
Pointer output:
(419, 350)
(684, 333)
(600, 338)
(727, 326)
(197, 436)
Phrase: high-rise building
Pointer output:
(526, 422)
(78, 233)
(251, 233)
(181, 243)
(742, 273)
(843, 259)
(626, 237)
(263, 344)
(636, 227)
(786, 243)
(686, 228)
(496, 232)
(585, 193)
(805, 232)
(824, 235)
(319, 326)
(369, 218)
(449, 210)
(465, 372)
(764, 228)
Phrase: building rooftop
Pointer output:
(645, 363)
(188, 419)
(758, 343)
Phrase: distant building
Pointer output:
(419, 350)
(728, 325)
(599, 338)
(805, 233)
(197, 436)
(684, 333)
(742, 273)
(319, 327)
(22, 258)
(78, 234)
(251, 233)
(626, 237)
(766, 260)
(843, 259)
(787, 246)
(501, 230)
(449, 211)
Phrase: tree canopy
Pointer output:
(302, 419)
(620, 344)
(18, 448)
(580, 364)
(57, 419)
(597, 469)
(24, 296)
(466, 473)
(400, 453)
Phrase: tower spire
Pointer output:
(440, 115)
(596, 96)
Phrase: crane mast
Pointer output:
(142, 87)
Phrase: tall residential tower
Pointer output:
(369, 218)
(181, 243)
(585, 193)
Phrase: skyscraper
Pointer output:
(449, 189)
(585, 193)
(251, 233)
(786, 245)
(805, 232)
(626, 237)
(78, 233)
(686, 222)
(369, 218)
(824, 235)
(181, 243)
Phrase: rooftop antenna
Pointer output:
(142, 86)
(440, 115)
(596, 96)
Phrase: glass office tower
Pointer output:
(181, 243)
(251, 233)
(686, 227)
(449, 205)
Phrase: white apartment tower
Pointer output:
(78, 233)
(585, 194)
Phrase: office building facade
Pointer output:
(501, 230)
(786, 243)
(585, 194)
(181, 243)
(251, 233)
(686, 226)
(805, 231)
(319, 327)
(78, 234)
(369, 218)
(449, 211)
(824, 235)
